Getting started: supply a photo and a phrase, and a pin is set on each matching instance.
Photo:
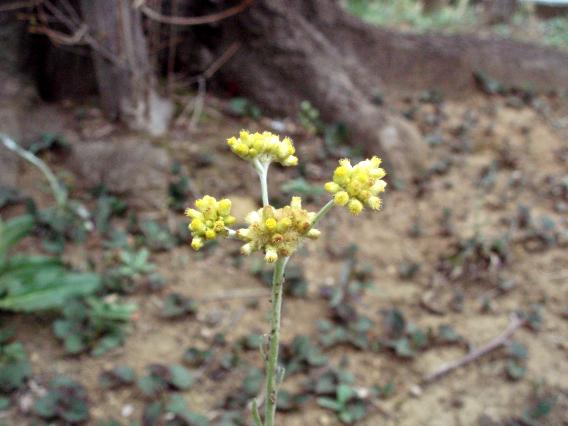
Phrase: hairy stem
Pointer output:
(262, 170)
(272, 361)
(323, 211)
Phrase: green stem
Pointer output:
(58, 191)
(323, 211)
(272, 361)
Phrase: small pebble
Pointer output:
(127, 410)
(416, 391)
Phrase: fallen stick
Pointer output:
(514, 323)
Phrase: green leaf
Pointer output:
(119, 376)
(394, 322)
(447, 334)
(152, 413)
(402, 348)
(4, 403)
(66, 400)
(540, 409)
(46, 407)
(34, 284)
(181, 378)
(12, 231)
(156, 236)
(243, 107)
(344, 393)
(419, 338)
(178, 407)
(515, 371)
(6, 334)
(346, 417)
(385, 391)
(195, 357)
(176, 305)
(74, 344)
(253, 382)
(112, 340)
(330, 404)
(357, 410)
(301, 187)
(15, 367)
(151, 386)
(517, 350)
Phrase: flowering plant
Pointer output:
(279, 232)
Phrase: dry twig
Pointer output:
(17, 5)
(515, 323)
(197, 20)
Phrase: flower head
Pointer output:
(358, 185)
(277, 232)
(209, 220)
(265, 146)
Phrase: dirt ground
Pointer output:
(490, 156)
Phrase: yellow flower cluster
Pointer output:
(210, 220)
(277, 232)
(357, 185)
(265, 146)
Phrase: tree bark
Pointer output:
(126, 81)
(314, 50)
(499, 11)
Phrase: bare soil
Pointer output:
(529, 145)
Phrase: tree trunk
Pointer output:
(313, 50)
(432, 6)
(499, 11)
(126, 81)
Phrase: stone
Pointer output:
(132, 168)
(405, 151)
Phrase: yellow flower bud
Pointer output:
(241, 149)
(284, 224)
(277, 232)
(374, 203)
(246, 249)
(271, 255)
(341, 198)
(340, 174)
(265, 147)
(243, 233)
(379, 187)
(296, 203)
(270, 223)
(209, 220)
(355, 206)
(224, 207)
(313, 234)
(192, 213)
(290, 161)
(332, 187)
(196, 243)
(196, 225)
(357, 185)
